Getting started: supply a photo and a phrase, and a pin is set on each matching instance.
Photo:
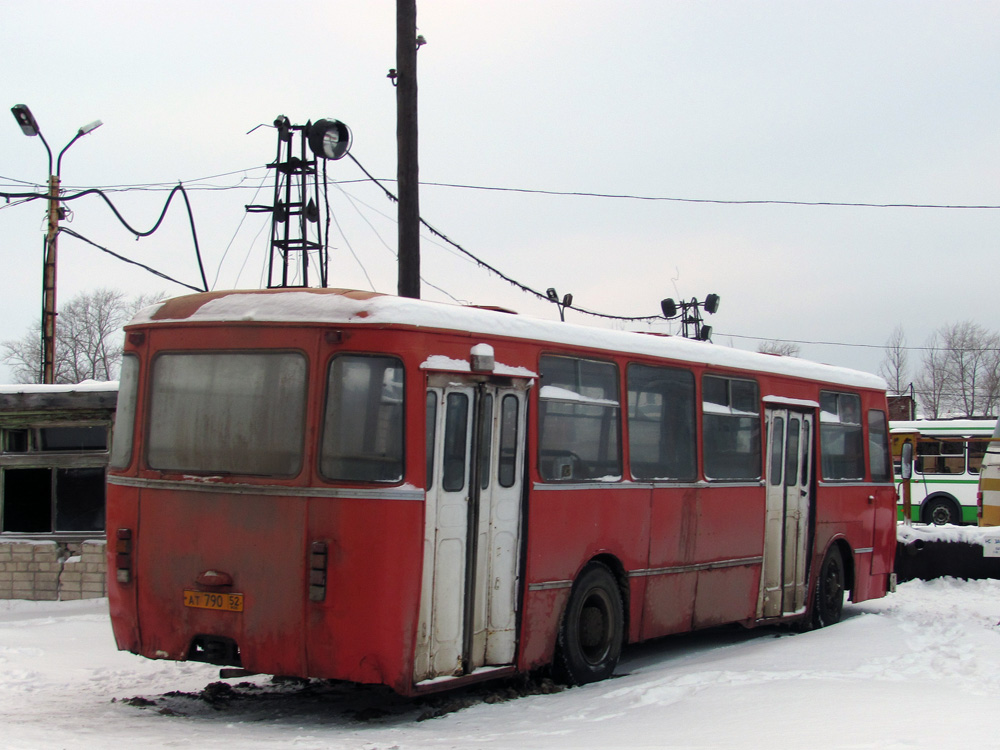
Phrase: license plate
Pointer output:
(208, 600)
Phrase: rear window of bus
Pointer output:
(228, 413)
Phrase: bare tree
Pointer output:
(961, 371)
(969, 350)
(784, 348)
(88, 339)
(933, 379)
(991, 386)
(895, 364)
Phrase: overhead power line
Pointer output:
(178, 188)
(67, 230)
(720, 201)
(859, 346)
(193, 185)
(22, 197)
(495, 271)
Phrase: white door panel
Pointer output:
(787, 523)
(468, 603)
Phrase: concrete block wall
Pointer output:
(50, 571)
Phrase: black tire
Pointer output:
(828, 604)
(940, 511)
(592, 630)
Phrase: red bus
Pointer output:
(346, 485)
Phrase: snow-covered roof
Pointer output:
(87, 386)
(346, 307)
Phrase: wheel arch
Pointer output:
(832, 581)
(846, 556)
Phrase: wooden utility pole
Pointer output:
(407, 172)
(49, 285)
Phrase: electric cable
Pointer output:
(352, 200)
(428, 238)
(737, 202)
(178, 188)
(350, 247)
(246, 258)
(239, 226)
(153, 271)
(496, 272)
(857, 346)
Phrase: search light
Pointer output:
(329, 139)
(712, 303)
(25, 119)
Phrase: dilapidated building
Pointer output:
(54, 444)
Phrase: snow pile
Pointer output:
(945, 533)
(919, 669)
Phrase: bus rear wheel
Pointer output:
(829, 602)
(940, 511)
(592, 630)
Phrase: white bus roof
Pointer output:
(344, 306)
(944, 426)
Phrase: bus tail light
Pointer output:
(317, 572)
(979, 504)
(123, 555)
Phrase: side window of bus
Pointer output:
(430, 427)
(878, 446)
(840, 436)
(456, 441)
(363, 420)
(661, 423)
(124, 429)
(507, 459)
(940, 456)
(730, 428)
(977, 450)
(579, 420)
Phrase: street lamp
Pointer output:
(29, 126)
(562, 304)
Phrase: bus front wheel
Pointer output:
(829, 602)
(592, 630)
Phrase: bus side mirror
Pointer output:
(906, 469)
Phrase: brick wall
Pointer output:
(49, 571)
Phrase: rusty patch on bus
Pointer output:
(180, 308)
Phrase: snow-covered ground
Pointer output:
(919, 669)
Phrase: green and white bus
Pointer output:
(947, 458)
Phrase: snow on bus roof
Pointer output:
(344, 306)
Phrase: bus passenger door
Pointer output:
(475, 458)
(786, 530)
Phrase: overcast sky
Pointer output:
(844, 102)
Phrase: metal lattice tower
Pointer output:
(296, 230)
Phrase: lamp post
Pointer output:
(29, 127)
(562, 304)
